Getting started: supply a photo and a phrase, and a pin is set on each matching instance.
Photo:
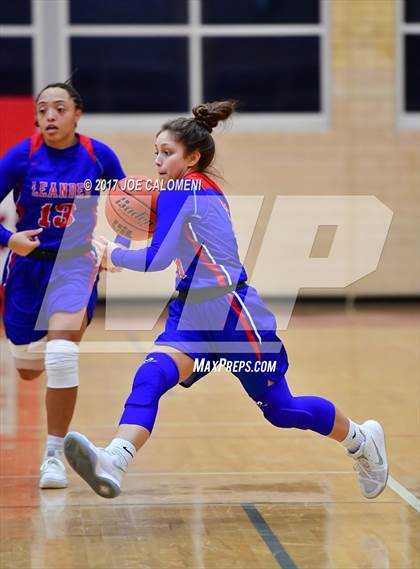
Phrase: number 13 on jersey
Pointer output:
(59, 215)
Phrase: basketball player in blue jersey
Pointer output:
(216, 315)
(49, 286)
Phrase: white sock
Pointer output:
(123, 450)
(354, 437)
(54, 445)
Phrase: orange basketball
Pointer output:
(130, 207)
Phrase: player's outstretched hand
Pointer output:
(104, 249)
(24, 242)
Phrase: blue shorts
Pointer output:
(33, 290)
(236, 327)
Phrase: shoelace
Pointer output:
(362, 466)
(52, 460)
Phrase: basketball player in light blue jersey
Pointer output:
(216, 315)
(50, 277)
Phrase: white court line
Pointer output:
(221, 473)
(166, 424)
(405, 494)
(392, 483)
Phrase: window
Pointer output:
(136, 61)
(412, 73)
(16, 66)
(155, 58)
(16, 12)
(412, 11)
(131, 75)
(260, 12)
(408, 65)
(266, 74)
(128, 11)
(16, 48)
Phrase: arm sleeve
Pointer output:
(172, 210)
(120, 240)
(10, 166)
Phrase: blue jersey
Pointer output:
(57, 189)
(194, 229)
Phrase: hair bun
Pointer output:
(203, 118)
(203, 123)
(208, 115)
(201, 112)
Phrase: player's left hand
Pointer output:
(104, 249)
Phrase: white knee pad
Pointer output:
(29, 356)
(62, 364)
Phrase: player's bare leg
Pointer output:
(340, 428)
(29, 374)
(60, 404)
(65, 331)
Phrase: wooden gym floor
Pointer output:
(217, 487)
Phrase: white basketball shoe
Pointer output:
(99, 468)
(371, 460)
(53, 472)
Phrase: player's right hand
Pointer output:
(104, 249)
(24, 242)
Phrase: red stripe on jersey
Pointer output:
(208, 184)
(248, 330)
(179, 268)
(36, 142)
(3, 301)
(20, 211)
(206, 261)
(86, 142)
